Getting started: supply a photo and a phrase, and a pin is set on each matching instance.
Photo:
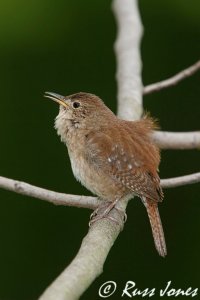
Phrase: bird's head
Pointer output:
(80, 110)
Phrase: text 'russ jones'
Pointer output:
(130, 290)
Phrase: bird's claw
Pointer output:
(103, 211)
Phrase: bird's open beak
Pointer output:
(56, 97)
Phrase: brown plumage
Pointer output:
(113, 158)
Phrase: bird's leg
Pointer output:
(105, 206)
(103, 212)
(95, 212)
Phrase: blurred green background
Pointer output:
(67, 47)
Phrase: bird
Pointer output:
(114, 158)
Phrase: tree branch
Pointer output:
(128, 58)
(154, 87)
(88, 263)
(179, 181)
(177, 140)
(77, 200)
(26, 189)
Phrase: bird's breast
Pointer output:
(92, 174)
(100, 184)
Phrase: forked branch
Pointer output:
(88, 263)
(93, 252)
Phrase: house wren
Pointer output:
(113, 158)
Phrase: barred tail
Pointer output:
(156, 226)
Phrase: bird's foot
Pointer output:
(103, 212)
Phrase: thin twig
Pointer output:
(154, 87)
(177, 140)
(27, 189)
(56, 198)
(180, 181)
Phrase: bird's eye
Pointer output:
(76, 104)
